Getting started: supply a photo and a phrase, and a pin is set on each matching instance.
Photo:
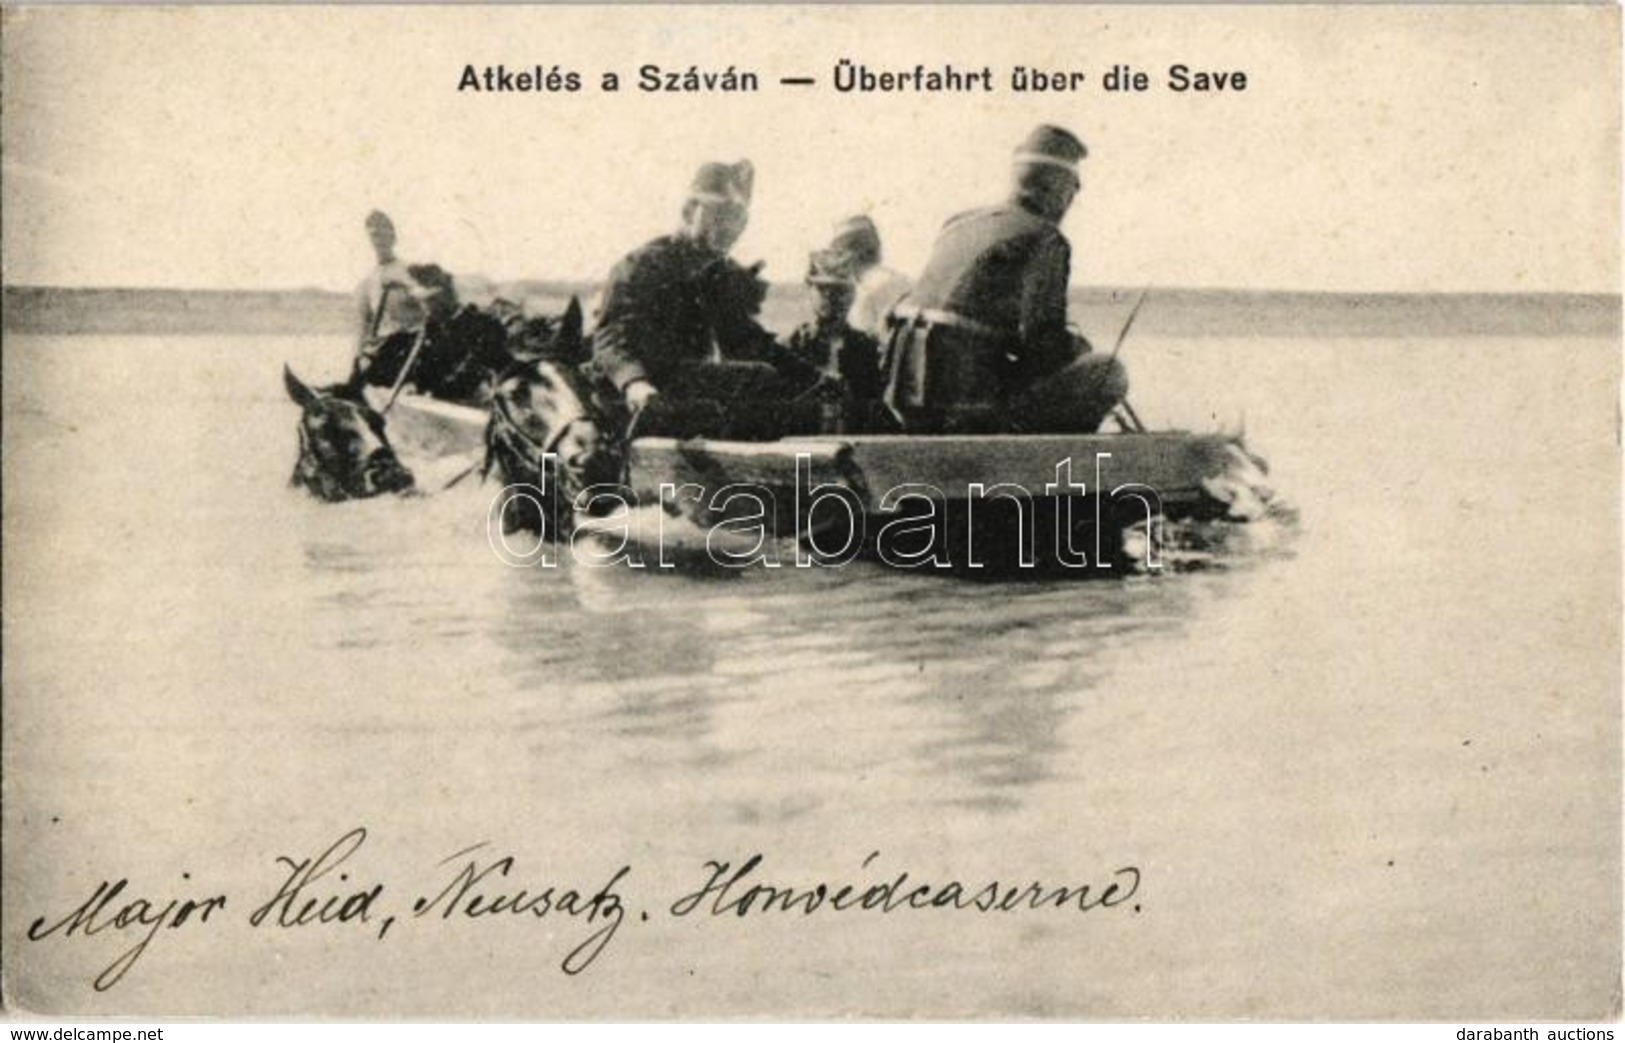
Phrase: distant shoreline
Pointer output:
(1168, 312)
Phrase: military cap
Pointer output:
(828, 268)
(724, 183)
(1049, 145)
(857, 236)
(431, 279)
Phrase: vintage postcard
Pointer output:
(907, 512)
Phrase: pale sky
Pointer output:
(1375, 148)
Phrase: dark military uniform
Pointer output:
(1006, 269)
(683, 317)
(462, 355)
(849, 357)
(985, 323)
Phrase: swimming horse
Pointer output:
(551, 432)
(344, 450)
(344, 453)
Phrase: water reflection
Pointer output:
(796, 680)
(1000, 717)
(763, 694)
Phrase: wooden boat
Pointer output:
(1072, 501)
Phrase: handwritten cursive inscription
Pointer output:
(482, 884)
(298, 903)
(728, 894)
(141, 914)
(473, 892)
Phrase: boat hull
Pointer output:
(982, 500)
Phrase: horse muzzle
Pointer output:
(384, 474)
(586, 456)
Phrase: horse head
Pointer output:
(548, 427)
(343, 451)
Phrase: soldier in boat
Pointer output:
(677, 325)
(456, 351)
(849, 358)
(385, 304)
(876, 288)
(982, 343)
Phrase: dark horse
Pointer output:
(343, 451)
(552, 427)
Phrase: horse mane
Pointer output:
(559, 339)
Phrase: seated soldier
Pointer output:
(677, 324)
(456, 353)
(876, 288)
(385, 304)
(848, 358)
(982, 344)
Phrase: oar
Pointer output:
(406, 370)
(378, 315)
(363, 356)
(464, 473)
(1124, 414)
(1133, 314)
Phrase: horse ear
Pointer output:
(297, 390)
(353, 385)
(570, 324)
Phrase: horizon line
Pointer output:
(792, 284)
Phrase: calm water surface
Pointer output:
(1367, 769)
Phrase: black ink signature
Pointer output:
(726, 893)
(464, 896)
(296, 904)
(316, 891)
(93, 917)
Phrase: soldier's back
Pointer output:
(978, 263)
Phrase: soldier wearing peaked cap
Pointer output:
(678, 315)
(876, 288)
(982, 343)
(848, 357)
(384, 303)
